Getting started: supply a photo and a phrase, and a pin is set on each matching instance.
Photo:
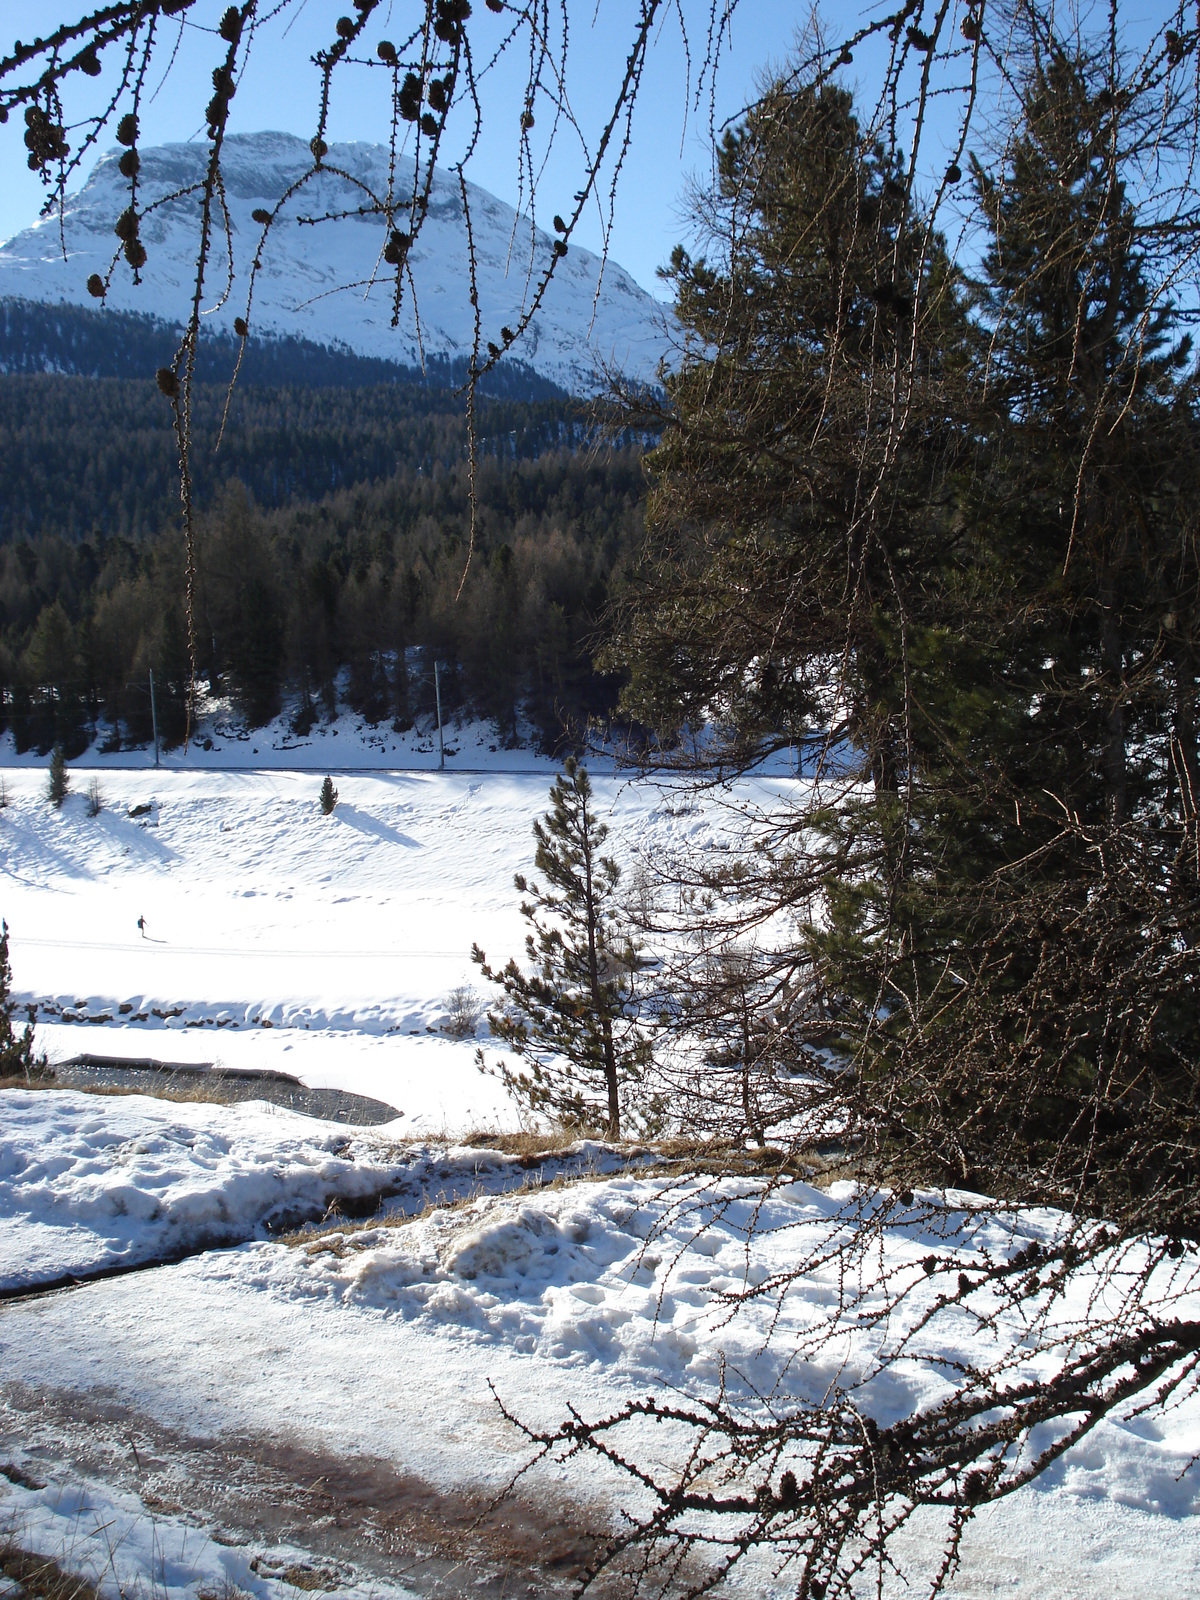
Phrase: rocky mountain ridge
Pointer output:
(325, 281)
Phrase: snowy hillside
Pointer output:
(328, 283)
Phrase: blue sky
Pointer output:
(280, 90)
(671, 137)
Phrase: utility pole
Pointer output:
(153, 716)
(437, 689)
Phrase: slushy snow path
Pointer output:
(380, 1341)
(110, 1539)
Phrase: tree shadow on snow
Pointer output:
(363, 822)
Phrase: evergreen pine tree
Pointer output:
(329, 796)
(59, 781)
(16, 1050)
(574, 1018)
(1005, 630)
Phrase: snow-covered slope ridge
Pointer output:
(317, 281)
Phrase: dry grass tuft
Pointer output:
(227, 1591)
(717, 1158)
(311, 1578)
(41, 1578)
(700, 1155)
(549, 1142)
(199, 1095)
(302, 1575)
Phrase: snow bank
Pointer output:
(641, 1276)
(346, 742)
(381, 1341)
(616, 1288)
(89, 1182)
(93, 1182)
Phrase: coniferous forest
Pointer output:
(335, 529)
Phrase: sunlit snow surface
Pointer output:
(328, 283)
(275, 937)
(92, 1182)
(380, 1340)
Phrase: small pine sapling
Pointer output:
(574, 1019)
(17, 1059)
(59, 780)
(95, 799)
(329, 796)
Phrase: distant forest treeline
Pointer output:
(38, 338)
(88, 458)
(334, 536)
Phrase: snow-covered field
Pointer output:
(377, 1343)
(276, 937)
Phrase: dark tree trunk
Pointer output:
(610, 1074)
(613, 1131)
(1187, 765)
(753, 1125)
(1114, 720)
(1184, 730)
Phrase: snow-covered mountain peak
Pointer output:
(326, 282)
